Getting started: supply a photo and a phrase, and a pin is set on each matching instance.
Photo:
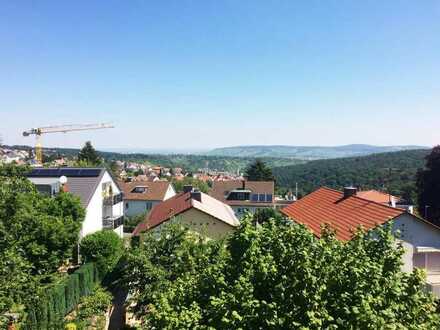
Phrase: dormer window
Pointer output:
(139, 190)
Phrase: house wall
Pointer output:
(135, 207)
(94, 211)
(202, 223)
(415, 233)
(170, 192)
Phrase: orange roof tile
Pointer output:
(377, 196)
(345, 215)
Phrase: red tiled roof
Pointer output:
(183, 202)
(377, 196)
(155, 190)
(345, 215)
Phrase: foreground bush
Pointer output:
(277, 275)
(103, 247)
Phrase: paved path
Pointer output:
(117, 320)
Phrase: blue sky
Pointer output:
(201, 74)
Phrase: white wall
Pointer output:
(170, 192)
(93, 219)
(415, 233)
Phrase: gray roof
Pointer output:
(82, 186)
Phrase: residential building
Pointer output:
(141, 196)
(346, 211)
(98, 191)
(386, 199)
(244, 196)
(198, 211)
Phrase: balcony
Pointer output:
(112, 200)
(112, 222)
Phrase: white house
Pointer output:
(346, 211)
(99, 193)
(141, 196)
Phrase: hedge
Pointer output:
(60, 299)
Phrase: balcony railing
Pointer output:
(112, 222)
(112, 200)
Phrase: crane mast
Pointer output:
(59, 129)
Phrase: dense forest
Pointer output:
(395, 171)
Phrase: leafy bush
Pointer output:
(277, 275)
(103, 247)
(95, 304)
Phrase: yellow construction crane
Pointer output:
(58, 129)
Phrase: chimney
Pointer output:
(243, 184)
(350, 191)
(197, 195)
(187, 188)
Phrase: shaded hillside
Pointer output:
(367, 172)
(307, 152)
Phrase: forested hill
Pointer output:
(395, 170)
(307, 152)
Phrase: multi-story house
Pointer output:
(98, 191)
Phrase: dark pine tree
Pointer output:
(428, 184)
(89, 155)
(258, 171)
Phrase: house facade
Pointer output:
(244, 196)
(98, 191)
(345, 212)
(141, 196)
(195, 210)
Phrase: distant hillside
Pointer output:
(307, 153)
(366, 172)
(185, 161)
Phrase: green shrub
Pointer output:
(103, 247)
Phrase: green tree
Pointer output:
(428, 184)
(258, 171)
(278, 275)
(89, 155)
(37, 235)
(196, 183)
(104, 247)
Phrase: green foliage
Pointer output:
(277, 275)
(37, 235)
(258, 171)
(55, 301)
(103, 247)
(395, 171)
(95, 304)
(130, 223)
(89, 155)
(199, 184)
(428, 184)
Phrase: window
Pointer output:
(254, 197)
(269, 198)
(126, 205)
(261, 197)
(139, 190)
(427, 260)
(148, 205)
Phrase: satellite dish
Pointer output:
(63, 179)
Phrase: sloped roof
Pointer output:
(182, 202)
(345, 215)
(155, 190)
(81, 182)
(220, 189)
(377, 196)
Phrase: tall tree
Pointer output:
(89, 155)
(428, 184)
(276, 275)
(258, 171)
